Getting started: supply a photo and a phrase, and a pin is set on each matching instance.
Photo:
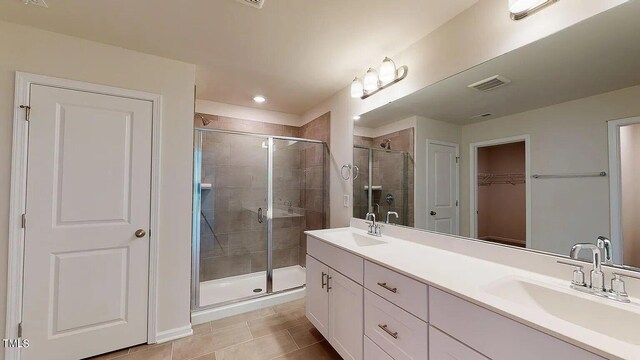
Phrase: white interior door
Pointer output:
(442, 193)
(88, 192)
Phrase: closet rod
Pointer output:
(563, 176)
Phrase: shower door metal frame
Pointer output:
(196, 199)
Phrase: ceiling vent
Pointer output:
(254, 3)
(480, 116)
(36, 3)
(490, 83)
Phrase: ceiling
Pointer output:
(598, 55)
(296, 53)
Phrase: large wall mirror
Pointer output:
(538, 148)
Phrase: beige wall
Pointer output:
(35, 51)
(478, 34)
(566, 138)
(630, 179)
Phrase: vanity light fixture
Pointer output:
(376, 80)
(357, 89)
(520, 9)
(259, 99)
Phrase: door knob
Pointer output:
(140, 233)
(432, 213)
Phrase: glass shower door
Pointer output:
(230, 236)
(298, 205)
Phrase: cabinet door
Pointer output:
(317, 301)
(346, 326)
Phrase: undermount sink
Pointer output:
(612, 320)
(355, 238)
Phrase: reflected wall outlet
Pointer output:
(345, 200)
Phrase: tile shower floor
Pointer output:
(279, 332)
(243, 286)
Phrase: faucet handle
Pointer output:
(578, 274)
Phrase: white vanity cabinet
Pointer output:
(368, 311)
(334, 297)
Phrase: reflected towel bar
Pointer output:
(562, 176)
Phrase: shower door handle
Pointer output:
(260, 217)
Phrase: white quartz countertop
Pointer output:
(469, 278)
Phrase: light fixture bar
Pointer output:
(520, 9)
(401, 73)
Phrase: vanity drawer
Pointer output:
(373, 351)
(494, 335)
(407, 293)
(398, 333)
(444, 347)
(342, 261)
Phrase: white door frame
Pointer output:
(473, 188)
(457, 146)
(615, 194)
(17, 202)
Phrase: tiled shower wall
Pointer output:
(237, 168)
(388, 172)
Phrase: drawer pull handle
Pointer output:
(323, 277)
(328, 279)
(384, 285)
(393, 334)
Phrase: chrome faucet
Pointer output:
(597, 276)
(374, 228)
(597, 285)
(389, 213)
(605, 246)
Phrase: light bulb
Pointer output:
(387, 71)
(356, 118)
(371, 80)
(356, 88)
(259, 99)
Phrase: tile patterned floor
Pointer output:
(280, 332)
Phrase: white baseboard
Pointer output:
(173, 334)
(203, 316)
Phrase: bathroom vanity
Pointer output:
(412, 294)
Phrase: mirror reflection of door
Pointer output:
(501, 193)
(630, 193)
(442, 193)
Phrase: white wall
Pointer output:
(41, 52)
(565, 138)
(247, 113)
(407, 123)
(480, 33)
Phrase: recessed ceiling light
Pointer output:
(356, 118)
(259, 99)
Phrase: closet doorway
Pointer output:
(500, 191)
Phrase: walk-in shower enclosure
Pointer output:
(254, 196)
(382, 184)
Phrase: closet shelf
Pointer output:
(488, 179)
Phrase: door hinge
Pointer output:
(27, 111)
(457, 159)
(20, 329)
(24, 221)
(456, 202)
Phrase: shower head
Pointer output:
(205, 121)
(386, 144)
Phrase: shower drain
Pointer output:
(257, 290)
